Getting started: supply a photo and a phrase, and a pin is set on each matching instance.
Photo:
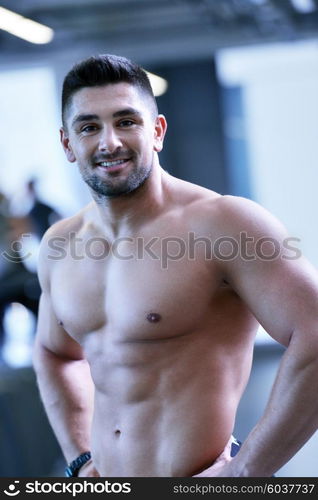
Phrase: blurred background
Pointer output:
(238, 84)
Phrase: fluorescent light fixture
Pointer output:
(304, 6)
(159, 85)
(258, 2)
(24, 28)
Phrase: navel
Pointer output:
(60, 322)
(153, 317)
(117, 432)
(224, 283)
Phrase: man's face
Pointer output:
(113, 135)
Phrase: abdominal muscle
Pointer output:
(163, 408)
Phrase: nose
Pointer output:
(109, 141)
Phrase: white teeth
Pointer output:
(111, 163)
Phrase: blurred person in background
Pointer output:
(41, 214)
(19, 282)
(24, 218)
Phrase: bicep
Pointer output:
(279, 285)
(282, 295)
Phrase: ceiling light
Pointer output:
(159, 85)
(258, 2)
(304, 6)
(24, 28)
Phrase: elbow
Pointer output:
(304, 346)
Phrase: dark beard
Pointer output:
(108, 189)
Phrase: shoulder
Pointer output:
(63, 229)
(236, 214)
(224, 214)
(221, 216)
(59, 234)
(207, 202)
(243, 230)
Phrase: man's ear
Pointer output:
(160, 130)
(66, 145)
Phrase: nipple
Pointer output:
(153, 317)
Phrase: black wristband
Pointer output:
(73, 468)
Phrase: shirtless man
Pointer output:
(144, 345)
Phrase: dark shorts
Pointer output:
(235, 446)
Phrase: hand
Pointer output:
(219, 466)
(88, 470)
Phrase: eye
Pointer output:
(88, 129)
(126, 123)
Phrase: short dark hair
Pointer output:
(101, 70)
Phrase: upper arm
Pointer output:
(50, 335)
(277, 283)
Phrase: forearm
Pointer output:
(290, 418)
(67, 392)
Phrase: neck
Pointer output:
(129, 211)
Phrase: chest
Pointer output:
(133, 298)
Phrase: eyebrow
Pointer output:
(84, 118)
(127, 111)
(122, 112)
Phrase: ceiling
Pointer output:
(156, 30)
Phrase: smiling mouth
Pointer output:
(114, 163)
